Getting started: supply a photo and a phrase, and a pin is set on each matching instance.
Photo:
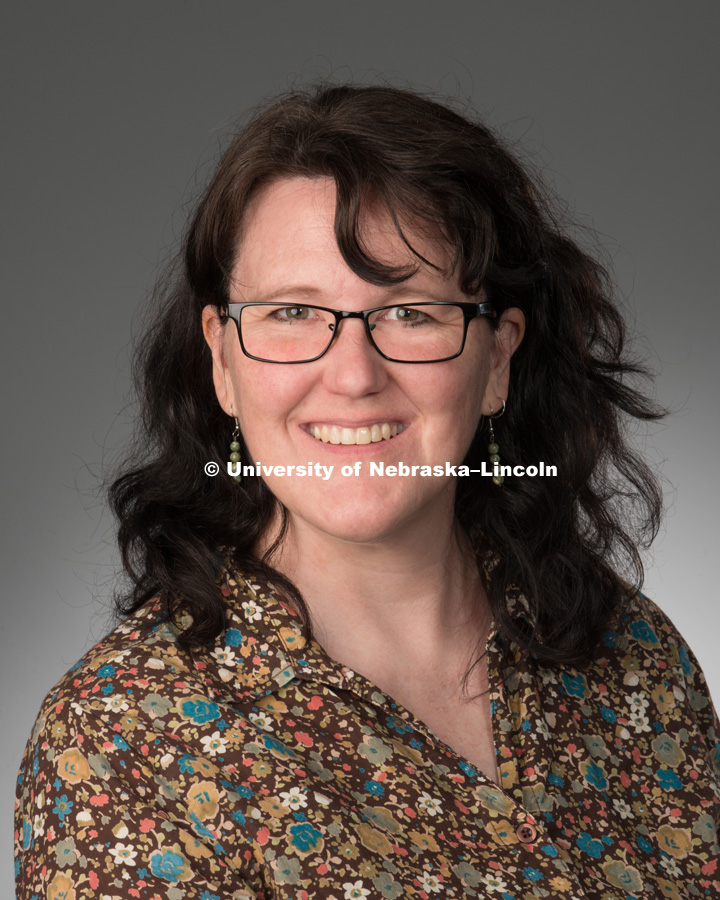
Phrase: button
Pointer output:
(526, 833)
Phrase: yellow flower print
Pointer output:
(621, 876)
(668, 891)
(663, 698)
(382, 818)
(424, 840)
(201, 766)
(560, 884)
(408, 752)
(260, 768)
(292, 639)
(72, 766)
(194, 847)
(508, 774)
(271, 704)
(373, 839)
(202, 800)
(348, 850)
(502, 831)
(273, 807)
(62, 887)
(675, 841)
(58, 730)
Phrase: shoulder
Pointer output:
(651, 645)
(141, 657)
(648, 668)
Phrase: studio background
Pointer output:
(113, 116)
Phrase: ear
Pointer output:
(508, 335)
(215, 335)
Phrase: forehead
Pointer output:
(289, 233)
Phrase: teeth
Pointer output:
(335, 434)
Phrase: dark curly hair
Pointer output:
(570, 543)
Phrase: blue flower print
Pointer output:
(63, 807)
(200, 711)
(106, 671)
(375, 788)
(668, 780)
(595, 776)
(532, 874)
(274, 744)
(588, 845)
(574, 685)
(304, 836)
(644, 844)
(233, 637)
(168, 865)
(186, 763)
(684, 660)
(642, 632)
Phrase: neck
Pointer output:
(413, 599)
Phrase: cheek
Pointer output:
(267, 395)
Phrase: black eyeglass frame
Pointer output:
(470, 310)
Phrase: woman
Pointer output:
(351, 667)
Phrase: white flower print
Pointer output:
(623, 809)
(637, 702)
(671, 867)
(431, 805)
(430, 884)
(262, 721)
(355, 891)
(225, 656)
(39, 825)
(294, 798)
(124, 854)
(639, 722)
(213, 744)
(252, 611)
(495, 883)
(116, 703)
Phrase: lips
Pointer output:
(365, 434)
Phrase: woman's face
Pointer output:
(288, 252)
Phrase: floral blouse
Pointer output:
(261, 768)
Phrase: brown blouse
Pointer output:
(261, 768)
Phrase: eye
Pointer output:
(404, 314)
(295, 312)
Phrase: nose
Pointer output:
(352, 365)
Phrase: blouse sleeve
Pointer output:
(88, 827)
(693, 710)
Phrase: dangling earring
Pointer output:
(493, 446)
(235, 450)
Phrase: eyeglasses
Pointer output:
(413, 333)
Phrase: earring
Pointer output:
(493, 446)
(235, 450)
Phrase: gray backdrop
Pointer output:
(112, 114)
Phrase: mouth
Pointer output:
(365, 434)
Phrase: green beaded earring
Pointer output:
(235, 450)
(493, 446)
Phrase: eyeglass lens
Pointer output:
(422, 333)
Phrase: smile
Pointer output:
(366, 434)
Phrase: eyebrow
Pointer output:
(309, 291)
